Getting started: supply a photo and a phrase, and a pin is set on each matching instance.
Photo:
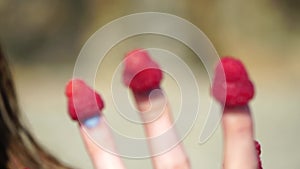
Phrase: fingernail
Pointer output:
(92, 122)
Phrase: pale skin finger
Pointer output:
(85, 107)
(101, 159)
(143, 76)
(233, 88)
(175, 158)
(239, 147)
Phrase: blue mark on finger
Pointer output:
(92, 122)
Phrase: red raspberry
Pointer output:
(141, 73)
(259, 164)
(258, 150)
(239, 89)
(83, 102)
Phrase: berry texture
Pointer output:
(141, 73)
(83, 102)
(231, 85)
(258, 150)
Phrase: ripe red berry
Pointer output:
(259, 164)
(141, 73)
(83, 102)
(258, 150)
(231, 85)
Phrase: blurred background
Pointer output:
(42, 40)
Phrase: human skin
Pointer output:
(237, 123)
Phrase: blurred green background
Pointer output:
(42, 40)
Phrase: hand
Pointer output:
(239, 147)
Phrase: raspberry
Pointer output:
(141, 73)
(258, 150)
(259, 165)
(239, 89)
(83, 102)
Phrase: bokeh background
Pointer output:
(42, 40)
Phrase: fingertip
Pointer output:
(141, 73)
(232, 85)
(83, 102)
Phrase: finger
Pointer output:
(233, 89)
(100, 131)
(86, 105)
(142, 75)
(174, 158)
(239, 148)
